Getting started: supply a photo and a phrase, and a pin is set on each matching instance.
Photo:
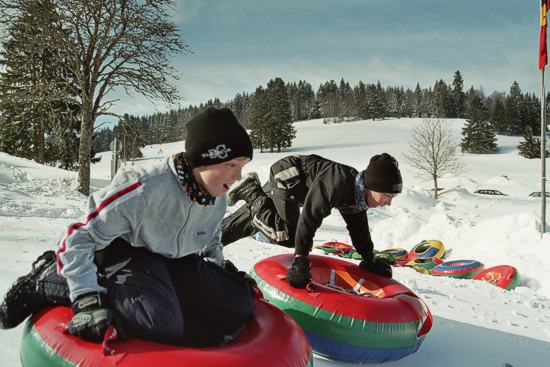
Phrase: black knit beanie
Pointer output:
(382, 174)
(215, 136)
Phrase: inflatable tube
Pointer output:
(503, 276)
(398, 252)
(427, 249)
(271, 339)
(458, 268)
(335, 247)
(424, 263)
(346, 312)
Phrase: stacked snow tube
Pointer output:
(335, 247)
(347, 313)
(270, 339)
(427, 263)
(427, 249)
(458, 269)
(503, 276)
(398, 252)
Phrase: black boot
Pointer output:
(24, 298)
(248, 189)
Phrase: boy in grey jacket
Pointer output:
(147, 257)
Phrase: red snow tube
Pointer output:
(503, 276)
(347, 313)
(335, 247)
(270, 339)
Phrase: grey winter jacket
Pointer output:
(145, 205)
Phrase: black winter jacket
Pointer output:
(322, 186)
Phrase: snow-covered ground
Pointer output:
(475, 323)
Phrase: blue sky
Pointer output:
(238, 45)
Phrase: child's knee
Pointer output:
(153, 323)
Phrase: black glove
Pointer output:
(376, 266)
(230, 267)
(385, 257)
(92, 318)
(299, 272)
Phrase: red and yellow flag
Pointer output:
(543, 52)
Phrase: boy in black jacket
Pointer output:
(317, 185)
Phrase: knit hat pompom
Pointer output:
(215, 136)
(383, 175)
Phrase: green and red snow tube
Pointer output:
(270, 339)
(346, 312)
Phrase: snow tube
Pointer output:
(398, 252)
(426, 263)
(503, 276)
(271, 339)
(335, 247)
(346, 312)
(427, 249)
(458, 268)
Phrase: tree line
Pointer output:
(505, 113)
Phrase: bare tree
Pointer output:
(110, 44)
(433, 150)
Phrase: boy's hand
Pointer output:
(376, 266)
(92, 318)
(299, 273)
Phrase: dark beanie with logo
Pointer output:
(215, 136)
(383, 175)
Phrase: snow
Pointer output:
(475, 323)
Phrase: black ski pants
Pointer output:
(275, 214)
(185, 301)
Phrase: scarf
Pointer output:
(188, 182)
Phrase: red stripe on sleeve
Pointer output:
(91, 216)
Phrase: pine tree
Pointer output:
(514, 124)
(281, 130)
(346, 101)
(408, 103)
(372, 102)
(328, 100)
(306, 104)
(294, 98)
(457, 98)
(440, 106)
(380, 102)
(478, 134)
(417, 102)
(361, 100)
(530, 112)
(498, 117)
(259, 119)
(39, 113)
(530, 147)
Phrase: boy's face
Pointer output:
(376, 199)
(217, 178)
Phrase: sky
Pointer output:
(474, 323)
(238, 45)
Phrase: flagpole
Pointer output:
(543, 155)
(543, 61)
